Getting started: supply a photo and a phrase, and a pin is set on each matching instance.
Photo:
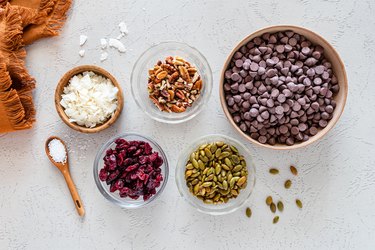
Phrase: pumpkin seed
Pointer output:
(218, 152)
(208, 152)
(293, 170)
(228, 162)
(273, 207)
(276, 219)
(241, 181)
(299, 203)
(280, 206)
(287, 184)
(234, 149)
(274, 171)
(248, 212)
(216, 172)
(269, 200)
(237, 168)
(195, 163)
(201, 164)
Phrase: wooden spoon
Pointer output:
(64, 169)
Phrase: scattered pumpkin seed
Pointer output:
(274, 171)
(293, 170)
(299, 203)
(269, 200)
(248, 212)
(287, 184)
(280, 206)
(273, 207)
(276, 219)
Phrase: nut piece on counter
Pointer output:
(174, 85)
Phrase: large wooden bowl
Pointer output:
(338, 68)
(65, 81)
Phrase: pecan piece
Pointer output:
(177, 109)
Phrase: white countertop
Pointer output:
(337, 174)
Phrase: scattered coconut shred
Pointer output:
(89, 99)
(57, 151)
(114, 43)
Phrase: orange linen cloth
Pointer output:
(21, 23)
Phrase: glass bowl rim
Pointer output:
(205, 99)
(106, 194)
(179, 183)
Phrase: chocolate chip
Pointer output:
(279, 88)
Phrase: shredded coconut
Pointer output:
(89, 99)
(57, 151)
(123, 28)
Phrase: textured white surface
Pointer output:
(337, 174)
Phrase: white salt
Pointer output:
(57, 151)
(82, 40)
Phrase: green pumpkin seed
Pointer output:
(220, 143)
(192, 156)
(274, 171)
(299, 203)
(188, 173)
(213, 148)
(269, 200)
(228, 162)
(201, 165)
(210, 177)
(280, 206)
(276, 219)
(218, 152)
(287, 184)
(217, 168)
(224, 154)
(208, 201)
(225, 167)
(293, 170)
(208, 152)
(234, 149)
(196, 189)
(189, 166)
(235, 159)
(225, 185)
(195, 163)
(237, 168)
(273, 207)
(248, 212)
(241, 181)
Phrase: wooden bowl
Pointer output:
(65, 81)
(338, 68)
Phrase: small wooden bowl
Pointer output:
(65, 81)
(338, 68)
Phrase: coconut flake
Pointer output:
(82, 52)
(123, 28)
(103, 43)
(82, 40)
(89, 99)
(114, 43)
(103, 56)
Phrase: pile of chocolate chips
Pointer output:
(279, 88)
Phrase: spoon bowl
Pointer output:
(64, 169)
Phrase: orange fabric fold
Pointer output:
(21, 23)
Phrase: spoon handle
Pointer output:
(74, 193)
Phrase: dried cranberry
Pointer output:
(132, 169)
(103, 175)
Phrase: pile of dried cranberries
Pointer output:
(133, 169)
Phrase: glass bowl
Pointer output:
(139, 80)
(218, 209)
(115, 197)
